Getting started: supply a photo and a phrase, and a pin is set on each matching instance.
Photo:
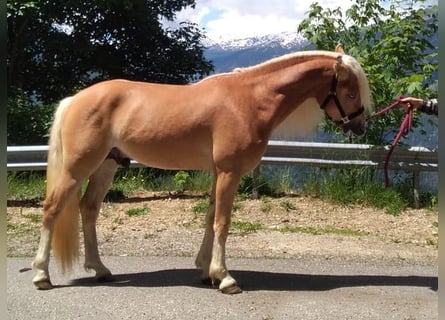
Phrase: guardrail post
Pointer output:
(255, 183)
(416, 184)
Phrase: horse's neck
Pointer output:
(290, 84)
(305, 75)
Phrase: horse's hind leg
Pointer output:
(98, 185)
(61, 196)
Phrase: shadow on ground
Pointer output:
(255, 280)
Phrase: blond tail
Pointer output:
(65, 239)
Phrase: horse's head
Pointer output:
(349, 95)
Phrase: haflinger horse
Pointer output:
(221, 124)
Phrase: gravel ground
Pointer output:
(169, 224)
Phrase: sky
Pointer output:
(237, 19)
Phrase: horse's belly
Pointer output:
(179, 162)
(177, 156)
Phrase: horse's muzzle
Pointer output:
(358, 128)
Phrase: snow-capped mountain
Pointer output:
(229, 54)
(285, 39)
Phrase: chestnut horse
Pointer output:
(221, 124)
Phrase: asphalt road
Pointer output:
(169, 288)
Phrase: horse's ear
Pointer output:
(339, 48)
(339, 66)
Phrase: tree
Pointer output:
(55, 48)
(28, 124)
(394, 45)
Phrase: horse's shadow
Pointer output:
(258, 280)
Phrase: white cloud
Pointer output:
(233, 24)
(229, 19)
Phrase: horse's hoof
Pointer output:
(231, 290)
(105, 278)
(229, 286)
(43, 285)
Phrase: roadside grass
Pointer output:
(359, 186)
(245, 227)
(266, 205)
(34, 217)
(135, 212)
(321, 230)
(18, 229)
(201, 206)
(131, 181)
(26, 185)
(345, 186)
(287, 205)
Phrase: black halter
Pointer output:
(345, 119)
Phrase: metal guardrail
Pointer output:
(335, 155)
(338, 155)
(329, 155)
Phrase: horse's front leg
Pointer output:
(98, 185)
(226, 188)
(205, 252)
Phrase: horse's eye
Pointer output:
(352, 96)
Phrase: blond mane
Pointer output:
(365, 92)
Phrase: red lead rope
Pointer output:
(404, 129)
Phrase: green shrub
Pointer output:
(182, 180)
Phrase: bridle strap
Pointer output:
(345, 119)
(332, 92)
